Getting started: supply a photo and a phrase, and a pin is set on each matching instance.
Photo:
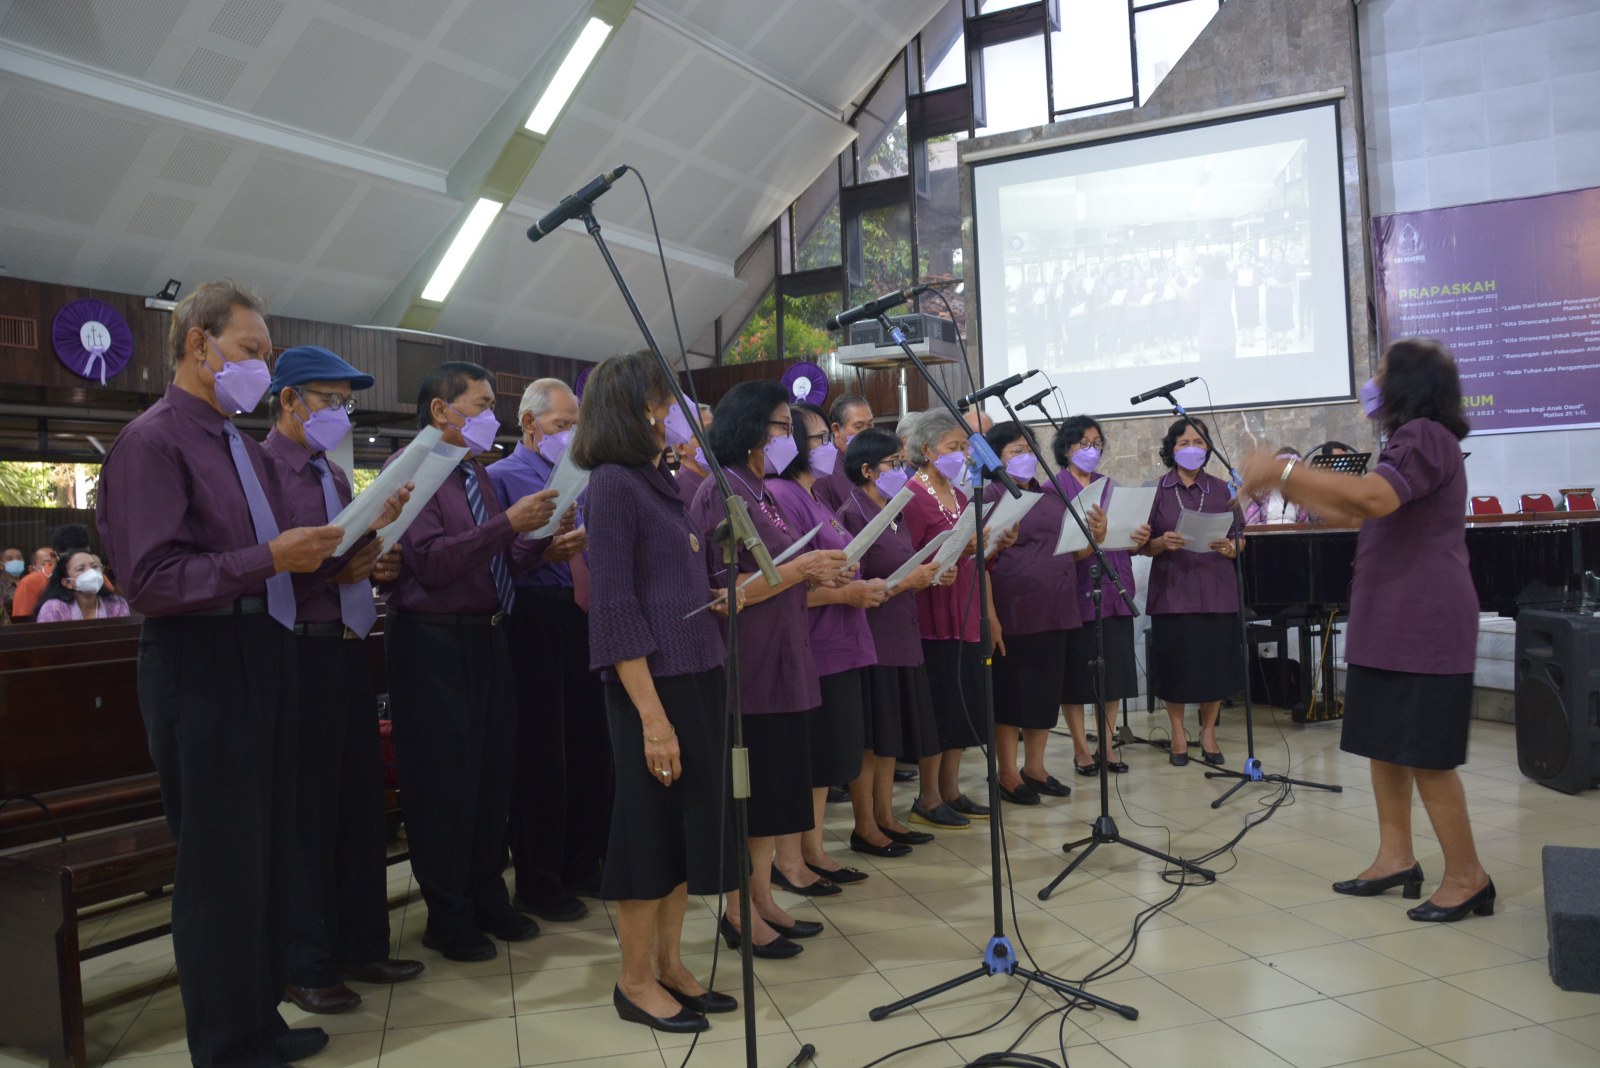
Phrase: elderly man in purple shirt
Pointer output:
(848, 416)
(339, 916)
(188, 511)
(452, 695)
(561, 794)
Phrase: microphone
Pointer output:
(874, 308)
(999, 387)
(1037, 400)
(577, 204)
(1163, 391)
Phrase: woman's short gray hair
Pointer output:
(925, 431)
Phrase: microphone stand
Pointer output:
(1104, 829)
(1252, 772)
(733, 531)
(999, 958)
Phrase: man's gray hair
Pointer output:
(928, 428)
(902, 429)
(538, 397)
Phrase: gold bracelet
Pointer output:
(670, 735)
(1283, 479)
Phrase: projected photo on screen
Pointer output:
(1215, 250)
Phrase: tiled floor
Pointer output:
(1266, 967)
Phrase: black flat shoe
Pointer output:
(837, 795)
(968, 807)
(908, 837)
(777, 949)
(1178, 760)
(1022, 795)
(1480, 904)
(859, 844)
(904, 774)
(710, 1001)
(797, 929)
(1411, 879)
(839, 876)
(1086, 770)
(820, 888)
(1050, 786)
(685, 1021)
(1117, 767)
(1211, 758)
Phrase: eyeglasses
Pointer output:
(331, 400)
(1087, 444)
(810, 438)
(788, 426)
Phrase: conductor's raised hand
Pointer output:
(1262, 470)
(532, 511)
(303, 549)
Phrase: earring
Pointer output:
(652, 420)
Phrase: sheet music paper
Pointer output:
(1128, 509)
(918, 558)
(950, 551)
(435, 467)
(1008, 511)
(568, 480)
(1202, 528)
(1073, 538)
(776, 560)
(367, 505)
(874, 530)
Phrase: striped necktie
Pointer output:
(355, 598)
(280, 587)
(497, 563)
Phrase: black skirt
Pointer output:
(1122, 667)
(900, 719)
(1195, 658)
(1419, 721)
(780, 773)
(955, 674)
(836, 730)
(665, 835)
(1027, 680)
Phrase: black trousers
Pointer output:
(217, 697)
(339, 910)
(453, 705)
(561, 796)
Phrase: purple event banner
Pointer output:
(1513, 288)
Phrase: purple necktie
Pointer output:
(280, 587)
(355, 598)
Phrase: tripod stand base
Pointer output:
(1252, 773)
(1104, 832)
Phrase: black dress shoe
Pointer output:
(837, 795)
(298, 1043)
(710, 1001)
(1411, 879)
(1211, 758)
(840, 876)
(685, 1021)
(907, 837)
(968, 807)
(465, 946)
(1117, 767)
(797, 929)
(563, 909)
(509, 926)
(904, 774)
(820, 888)
(1481, 904)
(381, 972)
(777, 949)
(1050, 786)
(1022, 795)
(1086, 770)
(892, 848)
(1177, 760)
(323, 1000)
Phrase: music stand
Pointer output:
(1344, 463)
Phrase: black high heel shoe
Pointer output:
(1481, 904)
(777, 949)
(684, 1021)
(1411, 878)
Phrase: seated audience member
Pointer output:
(1270, 507)
(77, 589)
(12, 567)
(30, 588)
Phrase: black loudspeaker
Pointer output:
(1558, 699)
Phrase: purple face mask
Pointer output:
(1023, 467)
(551, 446)
(479, 430)
(326, 428)
(823, 459)
(779, 453)
(1190, 457)
(678, 430)
(240, 385)
(699, 456)
(1371, 398)
(892, 481)
(1086, 459)
(952, 465)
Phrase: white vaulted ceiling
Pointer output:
(320, 149)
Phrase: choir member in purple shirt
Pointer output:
(188, 513)
(848, 416)
(561, 793)
(1078, 446)
(1409, 696)
(671, 824)
(752, 435)
(841, 643)
(452, 697)
(1036, 597)
(1195, 657)
(691, 469)
(339, 917)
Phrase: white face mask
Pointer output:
(88, 581)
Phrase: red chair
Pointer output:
(1579, 500)
(1537, 502)
(1487, 506)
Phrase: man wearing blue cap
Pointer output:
(338, 914)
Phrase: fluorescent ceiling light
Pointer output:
(461, 249)
(567, 77)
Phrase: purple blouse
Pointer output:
(944, 613)
(777, 672)
(59, 611)
(1181, 581)
(834, 489)
(688, 483)
(896, 638)
(1412, 603)
(646, 572)
(841, 639)
(1121, 560)
(1034, 589)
